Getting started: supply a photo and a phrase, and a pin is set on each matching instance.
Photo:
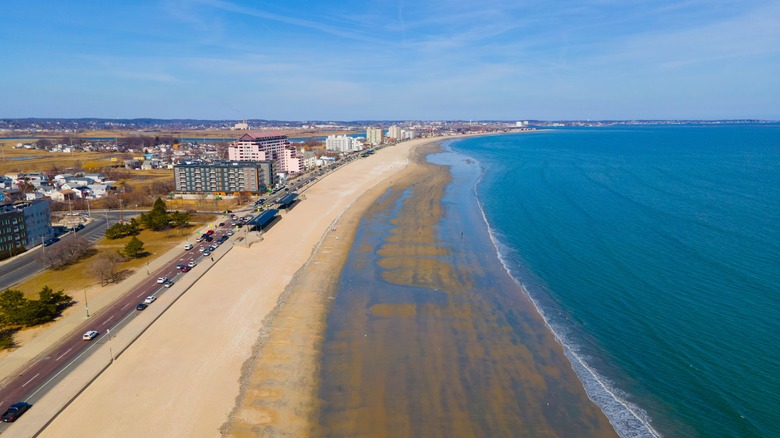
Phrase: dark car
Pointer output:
(141, 306)
(185, 268)
(15, 411)
(79, 227)
(209, 238)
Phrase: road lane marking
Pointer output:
(33, 378)
(63, 354)
(123, 307)
(107, 321)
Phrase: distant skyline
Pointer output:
(363, 60)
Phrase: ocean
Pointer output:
(653, 253)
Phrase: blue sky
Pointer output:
(363, 60)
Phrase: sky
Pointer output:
(391, 60)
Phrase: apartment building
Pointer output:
(26, 223)
(342, 143)
(375, 136)
(224, 177)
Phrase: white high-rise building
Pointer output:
(394, 132)
(375, 136)
(342, 143)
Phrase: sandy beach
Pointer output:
(182, 377)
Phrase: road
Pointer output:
(41, 373)
(31, 263)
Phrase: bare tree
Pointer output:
(105, 268)
(70, 249)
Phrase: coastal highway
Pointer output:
(30, 263)
(42, 372)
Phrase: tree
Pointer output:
(180, 219)
(67, 251)
(19, 311)
(157, 218)
(123, 229)
(105, 268)
(11, 304)
(134, 248)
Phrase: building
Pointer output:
(37, 220)
(394, 132)
(374, 136)
(13, 233)
(26, 223)
(224, 177)
(293, 163)
(342, 143)
(260, 146)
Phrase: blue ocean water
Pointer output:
(654, 254)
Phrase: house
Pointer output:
(95, 177)
(64, 195)
(98, 190)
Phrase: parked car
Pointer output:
(209, 238)
(188, 247)
(141, 306)
(168, 283)
(161, 280)
(210, 232)
(79, 227)
(206, 253)
(150, 299)
(15, 411)
(90, 335)
(191, 264)
(185, 268)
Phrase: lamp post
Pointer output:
(85, 302)
(110, 351)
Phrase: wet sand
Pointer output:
(421, 334)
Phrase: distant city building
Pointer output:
(241, 126)
(343, 143)
(394, 132)
(224, 177)
(374, 136)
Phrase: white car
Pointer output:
(191, 264)
(188, 247)
(161, 280)
(90, 335)
(150, 299)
